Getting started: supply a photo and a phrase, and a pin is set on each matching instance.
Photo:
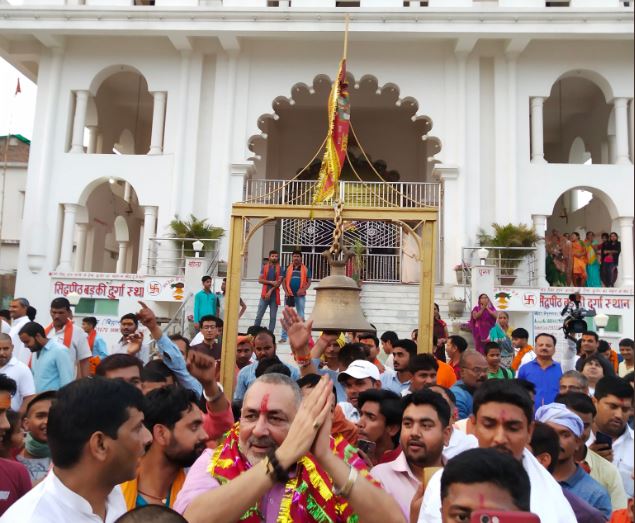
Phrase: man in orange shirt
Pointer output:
(428, 371)
(520, 339)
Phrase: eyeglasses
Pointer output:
(477, 370)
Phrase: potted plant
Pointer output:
(456, 307)
(459, 269)
(509, 239)
(194, 228)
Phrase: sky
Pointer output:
(16, 112)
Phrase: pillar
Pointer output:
(149, 226)
(537, 136)
(625, 224)
(66, 250)
(92, 139)
(452, 221)
(540, 225)
(80, 249)
(81, 103)
(612, 147)
(621, 131)
(121, 258)
(158, 122)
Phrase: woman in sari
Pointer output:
(578, 251)
(440, 332)
(593, 264)
(610, 255)
(556, 266)
(482, 320)
(501, 333)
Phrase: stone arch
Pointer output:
(123, 101)
(113, 216)
(597, 214)
(593, 77)
(577, 152)
(576, 108)
(366, 95)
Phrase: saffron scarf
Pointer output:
(265, 275)
(130, 490)
(308, 496)
(68, 333)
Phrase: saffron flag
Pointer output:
(339, 111)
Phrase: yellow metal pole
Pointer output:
(426, 288)
(232, 301)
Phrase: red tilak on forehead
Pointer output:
(264, 404)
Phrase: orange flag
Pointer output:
(339, 111)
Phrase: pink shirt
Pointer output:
(199, 481)
(398, 480)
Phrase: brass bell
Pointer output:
(337, 305)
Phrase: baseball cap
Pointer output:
(360, 369)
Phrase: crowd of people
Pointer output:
(356, 427)
(588, 262)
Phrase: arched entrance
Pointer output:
(578, 210)
(388, 141)
(108, 230)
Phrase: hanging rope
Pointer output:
(288, 182)
(370, 164)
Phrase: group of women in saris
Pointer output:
(581, 263)
(488, 324)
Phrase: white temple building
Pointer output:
(499, 111)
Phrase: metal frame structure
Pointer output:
(239, 242)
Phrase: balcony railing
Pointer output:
(352, 194)
(346, 4)
(166, 256)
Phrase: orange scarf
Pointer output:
(518, 358)
(68, 332)
(130, 490)
(289, 274)
(265, 275)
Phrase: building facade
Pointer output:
(501, 111)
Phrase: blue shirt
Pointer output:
(247, 376)
(390, 381)
(586, 488)
(100, 348)
(340, 393)
(52, 367)
(296, 278)
(464, 399)
(174, 360)
(547, 381)
(204, 304)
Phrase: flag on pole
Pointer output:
(18, 89)
(339, 112)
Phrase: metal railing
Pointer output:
(514, 266)
(352, 194)
(384, 268)
(166, 256)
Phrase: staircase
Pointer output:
(387, 306)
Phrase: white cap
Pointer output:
(360, 369)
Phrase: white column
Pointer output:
(66, 250)
(41, 166)
(178, 172)
(612, 146)
(80, 249)
(149, 226)
(621, 131)
(512, 159)
(121, 258)
(631, 129)
(92, 139)
(626, 257)
(81, 103)
(452, 221)
(100, 144)
(158, 122)
(540, 225)
(537, 136)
